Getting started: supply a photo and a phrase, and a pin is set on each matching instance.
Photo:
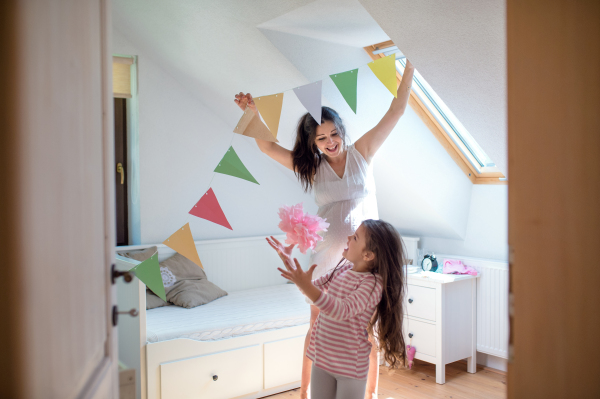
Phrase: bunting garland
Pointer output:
(232, 165)
(251, 125)
(182, 242)
(208, 208)
(149, 273)
(310, 97)
(346, 83)
(385, 70)
(270, 110)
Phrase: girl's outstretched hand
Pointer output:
(285, 253)
(245, 100)
(303, 279)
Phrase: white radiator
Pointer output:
(492, 305)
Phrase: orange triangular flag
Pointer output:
(250, 125)
(181, 241)
(270, 110)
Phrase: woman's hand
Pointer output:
(302, 279)
(285, 253)
(245, 100)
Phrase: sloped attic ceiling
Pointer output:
(215, 49)
(459, 47)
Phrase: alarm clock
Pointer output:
(429, 263)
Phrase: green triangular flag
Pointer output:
(233, 166)
(149, 272)
(346, 84)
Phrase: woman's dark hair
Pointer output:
(306, 156)
(386, 324)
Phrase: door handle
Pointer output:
(121, 171)
(116, 313)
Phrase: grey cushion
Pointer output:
(140, 255)
(153, 301)
(192, 287)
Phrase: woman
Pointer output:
(342, 180)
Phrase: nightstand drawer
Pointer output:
(423, 336)
(420, 302)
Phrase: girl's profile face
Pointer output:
(328, 139)
(356, 248)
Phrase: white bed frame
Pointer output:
(250, 366)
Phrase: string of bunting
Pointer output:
(251, 125)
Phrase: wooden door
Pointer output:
(554, 197)
(57, 202)
(120, 171)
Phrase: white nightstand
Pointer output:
(441, 317)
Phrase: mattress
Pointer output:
(239, 313)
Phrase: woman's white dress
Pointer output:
(345, 202)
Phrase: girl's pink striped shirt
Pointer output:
(339, 342)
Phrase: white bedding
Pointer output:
(239, 313)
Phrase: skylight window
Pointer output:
(442, 123)
(455, 130)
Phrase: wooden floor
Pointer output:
(420, 383)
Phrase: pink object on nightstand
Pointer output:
(453, 266)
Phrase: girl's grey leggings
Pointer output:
(325, 385)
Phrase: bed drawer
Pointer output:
(423, 336)
(219, 375)
(283, 361)
(420, 302)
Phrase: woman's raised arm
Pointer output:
(370, 142)
(273, 150)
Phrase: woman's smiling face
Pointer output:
(328, 139)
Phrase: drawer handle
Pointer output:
(215, 377)
(410, 300)
(410, 335)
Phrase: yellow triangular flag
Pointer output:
(251, 126)
(270, 110)
(181, 241)
(385, 70)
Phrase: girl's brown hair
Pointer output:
(306, 156)
(386, 325)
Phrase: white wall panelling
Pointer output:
(235, 264)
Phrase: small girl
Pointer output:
(363, 294)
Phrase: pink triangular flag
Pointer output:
(208, 208)
(310, 96)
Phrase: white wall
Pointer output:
(487, 227)
(180, 143)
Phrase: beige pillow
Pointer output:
(191, 288)
(153, 301)
(139, 255)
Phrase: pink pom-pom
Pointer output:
(301, 228)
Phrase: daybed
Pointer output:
(247, 344)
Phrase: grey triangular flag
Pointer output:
(310, 96)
